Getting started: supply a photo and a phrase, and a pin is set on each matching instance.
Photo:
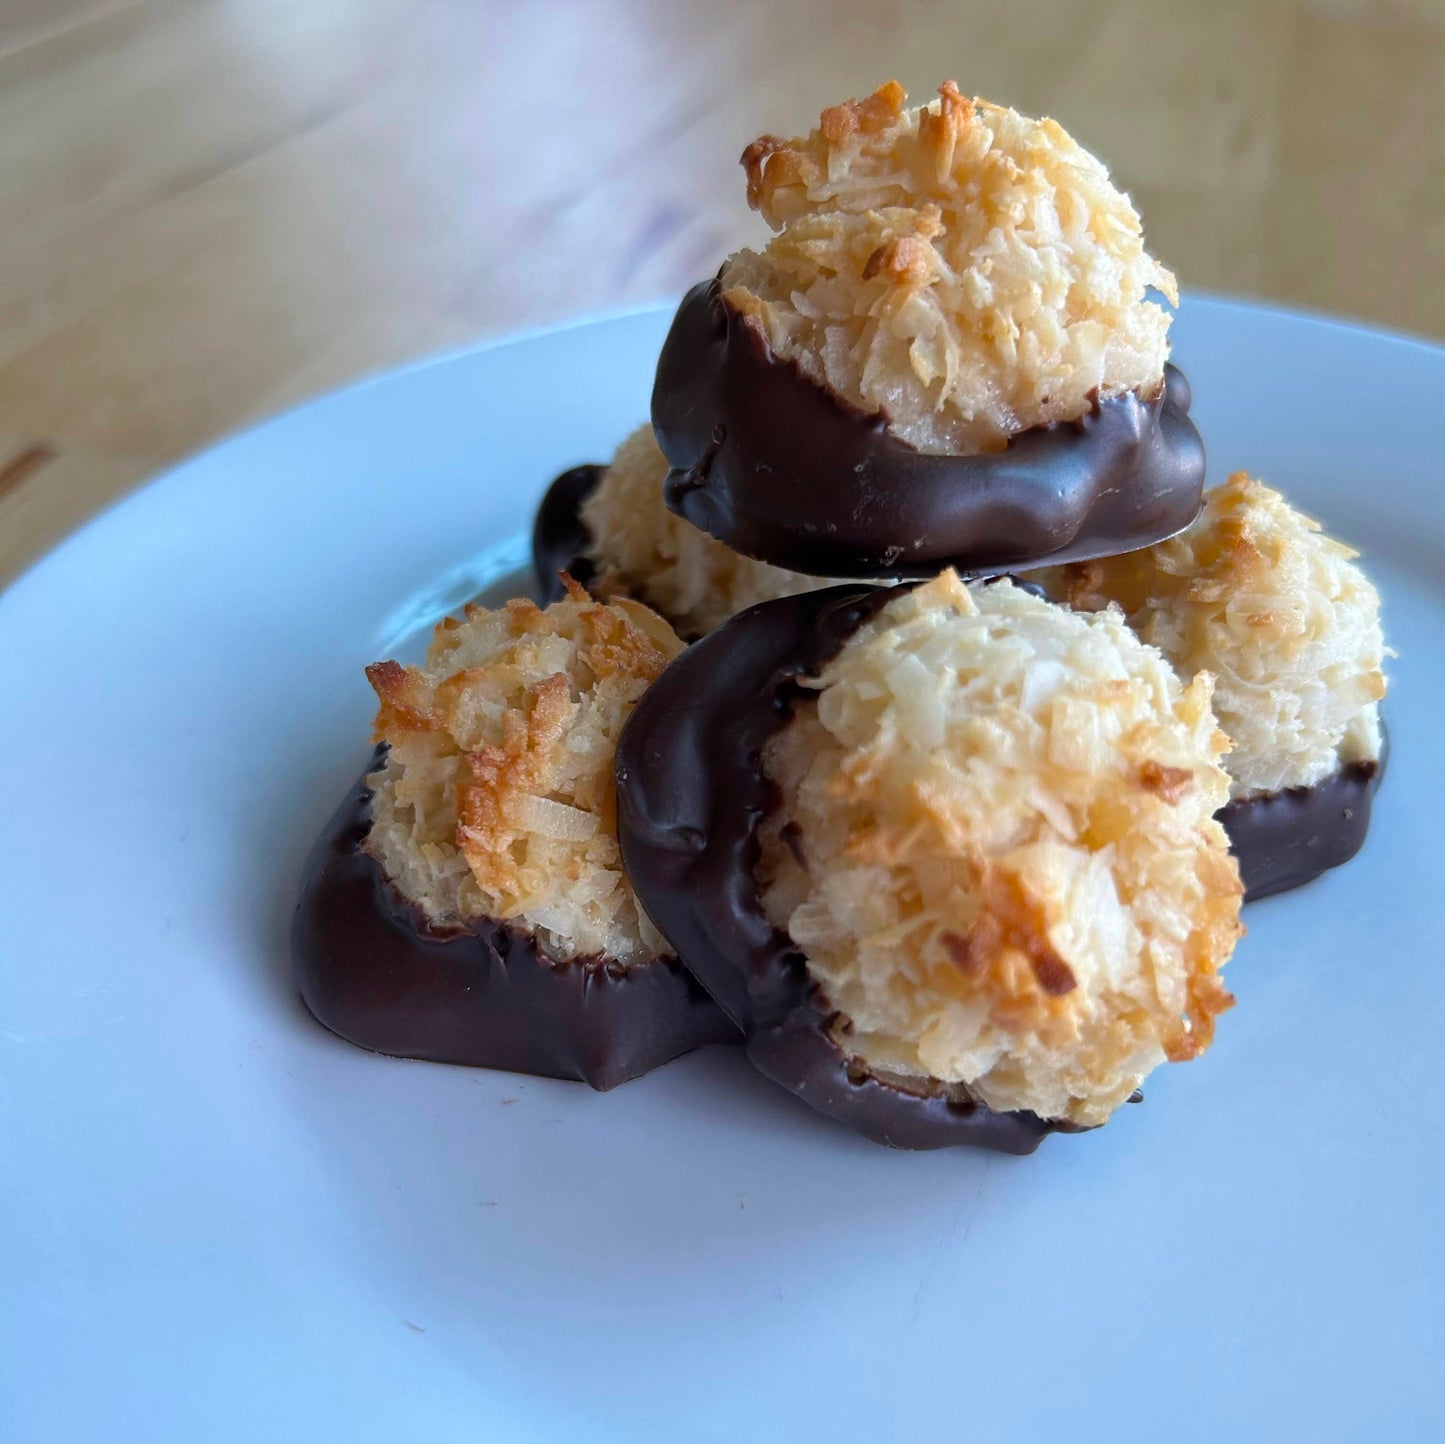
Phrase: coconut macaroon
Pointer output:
(496, 798)
(950, 354)
(1256, 594)
(996, 849)
(967, 271)
(641, 549)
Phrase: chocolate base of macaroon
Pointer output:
(560, 540)
(691, 795)
(784, 470)
(371, 969)
(1286, 839)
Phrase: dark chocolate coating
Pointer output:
(691, 795)
(1286, 839)
(782, 469)
(559, 539)
(372, 970)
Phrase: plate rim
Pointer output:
(368, 380)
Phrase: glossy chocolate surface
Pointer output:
(691, 795)
(782, 469)
(559, 539)
(1286, 839)
(372, 970)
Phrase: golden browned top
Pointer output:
(964, 269)
(1255, 593)
(496, 798)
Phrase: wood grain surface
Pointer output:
(212, 209)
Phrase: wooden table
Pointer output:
(215, 208)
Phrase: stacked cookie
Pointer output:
(904, 706)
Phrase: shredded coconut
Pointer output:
(641, 549)
(496, 798)
(1257, 594)
(962, 268)
(1007, 872)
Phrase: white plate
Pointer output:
(221, 1223)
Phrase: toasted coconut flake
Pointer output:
(963, 269)
(643, 549)
(496, 797)
(1256, 594)
(997, 850)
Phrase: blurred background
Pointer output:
(212, 209)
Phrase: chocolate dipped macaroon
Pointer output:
(951, 353)
(946, 854)
(610, 527)
(1256, 594)
(467, 903)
